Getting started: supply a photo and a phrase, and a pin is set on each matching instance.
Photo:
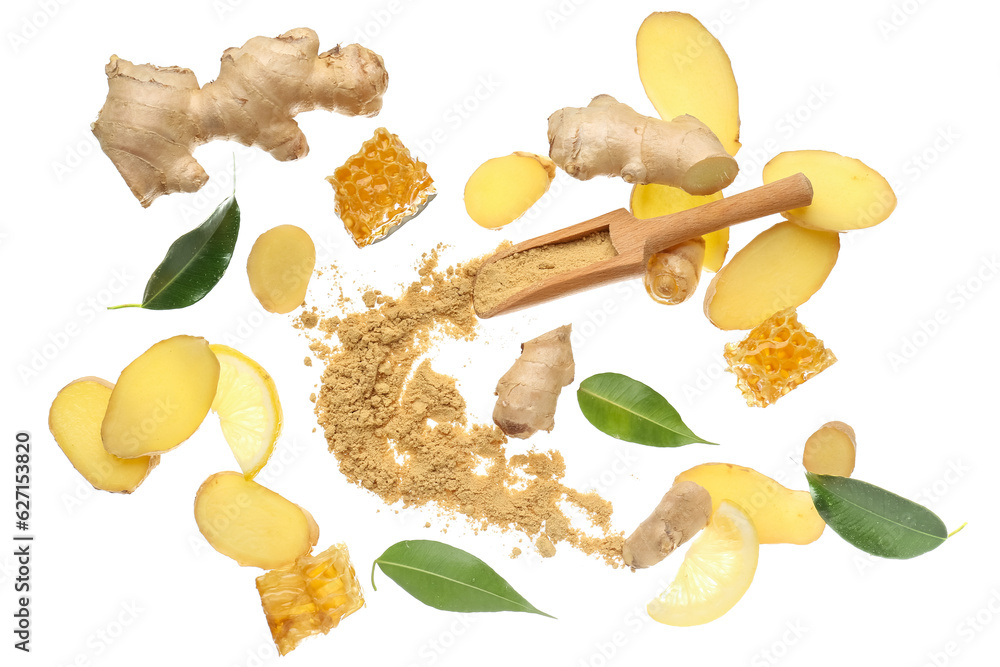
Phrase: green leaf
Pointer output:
(195, 262)
(875, 520)
(447, 578)
(629, 410)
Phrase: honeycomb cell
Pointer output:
(379, 188)
(309, 597)
(776, 357)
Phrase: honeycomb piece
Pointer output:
(309, 597)
(379, 188)
(776, 357)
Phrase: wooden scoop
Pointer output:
(635, 240)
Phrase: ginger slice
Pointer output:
(380, 188)
(831, 450)
(847, 193)
(161, 398)
(781, 268)
(309, 597)
(652, 200)
(280, 266)
(776, 357)
(75, 421)
(502, 189)
(252, 524)
(781, 515)
(685, 70)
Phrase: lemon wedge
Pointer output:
(248, 407)
(716, 572)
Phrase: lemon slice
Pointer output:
(249, 411)
(716, 571)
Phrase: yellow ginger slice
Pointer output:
(161, 398)
(309, 597)
(847, 193)
(781, 268)
(831, 450)
(75, 421)
(279, 267)
(685, 70)
(776, 357)
(379, 188)
(252, 524)
(502, 189)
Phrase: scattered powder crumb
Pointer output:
(545, 546)
(427, 525)
(312, 397)
(506, 277)
(309, 319)
(515, 552)
(308, 361)
(408, 440)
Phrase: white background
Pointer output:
(907, 87)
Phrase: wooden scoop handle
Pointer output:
(657, 234)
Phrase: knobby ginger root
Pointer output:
(685, 70)
(672, 275)
(161, 398)
(610, 138)
(75, 421)
(154, 117)
(683, 511)
(847, 193)
(781, 515)
(502, 189)
(279, 267)
(831, 450)
(527, 393)
(252, 524)
(781, 268)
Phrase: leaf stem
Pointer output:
(957, 530)
(126, 305)
(374, 563)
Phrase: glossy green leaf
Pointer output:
(195, 262)
(448, 578)
(629, 410)
(875, 520)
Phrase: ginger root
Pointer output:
(672, 275)
(683, 511)
(611, 138)
(154, 117)
(527, 393)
